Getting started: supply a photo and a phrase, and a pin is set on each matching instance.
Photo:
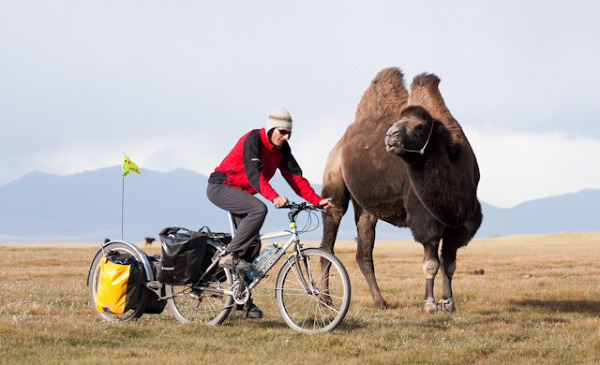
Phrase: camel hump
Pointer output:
(426, 80)
(424, 91)
(385, 97)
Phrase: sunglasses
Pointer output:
(284, 132)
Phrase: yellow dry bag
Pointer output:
(118, 287)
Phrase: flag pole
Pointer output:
(128, 165)
(122, 207)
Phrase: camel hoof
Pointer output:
(447, 305)
(382, 305)
(429, 307)
(325, 300)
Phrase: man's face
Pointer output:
(280, 135)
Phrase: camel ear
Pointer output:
(453, 151)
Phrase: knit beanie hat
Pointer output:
(278, 118)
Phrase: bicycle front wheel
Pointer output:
(313, 293)
(201, 302)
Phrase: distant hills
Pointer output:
(87, 207)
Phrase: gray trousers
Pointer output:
(248, 211)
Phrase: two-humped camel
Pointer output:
(405, 160)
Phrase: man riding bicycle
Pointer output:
(247, 170)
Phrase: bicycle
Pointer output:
(312, 288)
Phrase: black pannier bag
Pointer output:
(182, 252)
(154, 304)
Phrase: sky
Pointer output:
(175, 84)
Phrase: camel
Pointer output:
(405, 160)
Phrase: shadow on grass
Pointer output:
(267, 323)
(562, 306)
(350, 324)
(347, 325)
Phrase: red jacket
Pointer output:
(254, 160)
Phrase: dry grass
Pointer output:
(537, 302)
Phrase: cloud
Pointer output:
(175, 86)
(516, 167)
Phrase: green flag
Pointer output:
(128, 165)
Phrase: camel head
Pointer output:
(411, 134)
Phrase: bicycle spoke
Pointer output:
(202, 303)
(311, 298)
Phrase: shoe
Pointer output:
(250, 310)
(226, 261)
(231, 261)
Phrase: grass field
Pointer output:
(538, 301)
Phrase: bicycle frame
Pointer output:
(293, 240)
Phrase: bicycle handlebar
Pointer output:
(301, 206)
(296, 208)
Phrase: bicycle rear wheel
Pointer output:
(191, 303)
(95, 273)
(313, 295)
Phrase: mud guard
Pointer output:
(140, 256)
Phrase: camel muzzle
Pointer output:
(394, 138)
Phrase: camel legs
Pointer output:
(448, 267)
(331, 224)
(431, 264)
(453, 240)
(428, 232)
(365, 226)
(331, 220)
(335, 188)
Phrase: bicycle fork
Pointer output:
(308, 283)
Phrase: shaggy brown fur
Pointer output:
(433, 193)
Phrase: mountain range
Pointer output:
(94, 205)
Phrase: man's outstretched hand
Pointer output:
(326, 203)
